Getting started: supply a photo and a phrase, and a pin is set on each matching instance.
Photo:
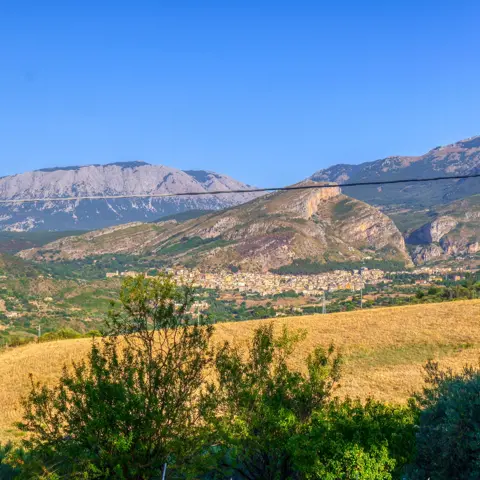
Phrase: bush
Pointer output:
(276, 423)
(7, 471)
(93, 333)
(17, 341)
(262, 403)
(62, 334)
(353, 440)
(448, 440)
(133, 405)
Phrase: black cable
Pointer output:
(253, 190)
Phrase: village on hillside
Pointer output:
(267, 284)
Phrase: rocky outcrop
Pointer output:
(434, 231)
(134, 178)
(454, 233)
(266, 233)
(427, 253)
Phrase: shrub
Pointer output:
(262, 403)
(276, 423)
(62, 334)
(448, 440)
(8, 468)
(348, 439)
(133, 405)
(93, 333)
(17, 341)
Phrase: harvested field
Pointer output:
(384, 350)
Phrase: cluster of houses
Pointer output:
(272, 284)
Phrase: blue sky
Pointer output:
(268, 92)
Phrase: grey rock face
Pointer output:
(461, 158)
(133, 178)
(427, 253)
(434, 231)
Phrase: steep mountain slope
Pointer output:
(452, 230)
(114, 179)
(266, 233)
(14, 267)
(13, 242)
(457, 159)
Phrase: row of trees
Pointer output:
(156, 399)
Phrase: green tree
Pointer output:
(351, 440)
(262, 403)
(133, 405)
(448, 439)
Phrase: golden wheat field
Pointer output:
(384, 351)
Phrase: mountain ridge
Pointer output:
(459, 158)
(118, 178)
(266, 233)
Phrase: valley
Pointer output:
(74, 297)
(239, 241)
(391, 283)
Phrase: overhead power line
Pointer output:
(244, 190)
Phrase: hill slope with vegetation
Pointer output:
(384, 350)
(267, 233)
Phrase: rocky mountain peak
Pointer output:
(119, 178)
(460, 158)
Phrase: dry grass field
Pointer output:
(384, 350)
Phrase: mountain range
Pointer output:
(461, 158)
(424, 222)
(277, 230)
(132, 178)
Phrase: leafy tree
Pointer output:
(263, 403)
(133, 405)
(351, 440)
(448, 440)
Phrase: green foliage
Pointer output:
(351, 440)
(93, 333)
(95, 267)
(229, 310)
(286, 294)
(133, 404)
(15, 267)
(448, 439)
(62, 334)
(9, 467)
(344, 208)
(262, 403)
(18, 340)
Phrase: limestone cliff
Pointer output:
(454, 232)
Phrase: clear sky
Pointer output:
(266, 91)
